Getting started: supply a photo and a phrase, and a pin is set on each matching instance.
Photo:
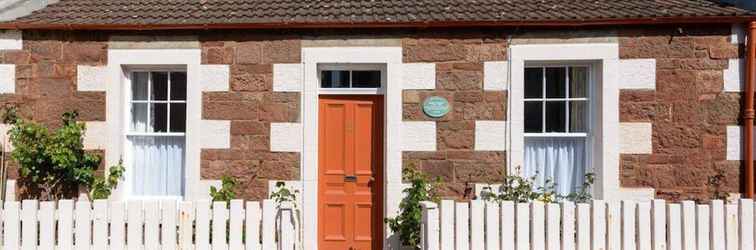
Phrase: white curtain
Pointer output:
(560, 159)
(158, 165)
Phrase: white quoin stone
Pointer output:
(734, 75)
(637, 74)
(490, 135)
(287, 77)
(285, 137)
(91, 78)
(635, 137)
(7, 78)
(738, 34)
(11, 39)
(419, 76)
(495, 75)
(216, 134)
(214, 77)
(735, 143)
(418, 136)
(96, 136)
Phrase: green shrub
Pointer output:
(226, 192)
(55, 162)
(519, 189)
(408, 223)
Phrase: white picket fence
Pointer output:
(653, 224)
(149, 224)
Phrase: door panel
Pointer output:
(350, 172)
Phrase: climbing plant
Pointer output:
(407, 224)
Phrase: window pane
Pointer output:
(178, 86)
(533, 82)
(139, 86)
(159, 117)
(578, 116)
(555, 116)
(139, 117)
(159, 86)
(334, 79)
(578, 82)
(555, 82)
(157, 165)
(366, 79)
(178, 117)
(533, 117)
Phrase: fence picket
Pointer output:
(168, 224)
(100, 224)
(689, 225)
(644, 225)
(702, 227)
(477, 225)
(614, 229)
(492, 226)
(235, 224)
(11, 224)
(46, 225)
(462, 229)
(151, 224)
(674, 232)
(286, 226)
(568, 226)
(447, 225)
(746, 224)
(83, 224)
(186, 225)
(717, 218)
(202, 223)
(507, 225)
(628, 224)
(29, 224)
(583, 226)
(117, 225)
(220, 215)
(522, 234)
(598, 225)
(731, 226)
(430, 228)
(134, 224)
(553, 216)
(252, 225)
(537, 226)
(659, 228)
(268, 225)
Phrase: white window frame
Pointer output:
(590, 102)
(352, 67)
(127, 146)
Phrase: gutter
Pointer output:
(748, 110)
(19, 25)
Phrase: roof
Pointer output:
(353, 13)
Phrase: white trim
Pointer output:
(391, 57)
(636, 138)
(287, 77)
(418, 136)
(7, 78)
(495, 75)
(95, 137)
(215, 77)
(419, 76)
(737, 34)
(490, 135)
(285, 137)
(91, 78)
(734, 75)
(637, 74)
(735, 142)
(605, 58)
(215, 134)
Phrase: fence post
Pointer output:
(447, 225)
(746, 224)
(430, 226)
(286, 235)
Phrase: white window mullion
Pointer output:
(149, 105)
(168, 105)
(567, 84)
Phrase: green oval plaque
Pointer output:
(436, 106)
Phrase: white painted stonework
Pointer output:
(215, 134)
(734, 75)
(419, 75)
(11, 39)
(91, 78)
(637, 74)
(735, 143)
(4, 138)
(285, 137)
(96, 136)
(214, 77)
(490, 135)
(495, 75)
(635, 138)
(418, 136)
(287, 77)
(7, 78)
(738, 34)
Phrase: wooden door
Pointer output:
(350, 173)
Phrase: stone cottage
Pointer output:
(336, 97)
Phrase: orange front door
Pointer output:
(350, 173)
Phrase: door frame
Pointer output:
(391, 59)
(379, 170)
